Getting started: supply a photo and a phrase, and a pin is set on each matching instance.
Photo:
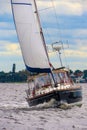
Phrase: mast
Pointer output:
(41, 31)
(42, 36)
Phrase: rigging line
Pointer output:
(45, 9)
(48, 35)
(56, 18)
(60, 31)
(46, 30)
(64, 54)
(50, 38)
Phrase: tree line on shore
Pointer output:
(22, 76)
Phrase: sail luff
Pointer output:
(28, 32)
(41, 30)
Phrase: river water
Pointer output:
(15, 114)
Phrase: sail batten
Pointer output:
(22, 3)
(28, 31)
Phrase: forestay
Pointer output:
(28, 31)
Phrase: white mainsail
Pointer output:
(28, 30)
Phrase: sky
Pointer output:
(62, 20)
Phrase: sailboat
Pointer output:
(48, 83)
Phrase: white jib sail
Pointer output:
(30, 40)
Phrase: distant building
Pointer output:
(13, 68)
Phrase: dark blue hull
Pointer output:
(70, 96)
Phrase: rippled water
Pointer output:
(15, 114)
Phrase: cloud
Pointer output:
(75, 59)
(75, 56)
(9, 49)
(72, 27)
(74, 36)
(79, 52)
(6, 25)
(8, 35)
(76, 53)
(5, 7)
(65, 7)
(68, 8)
(80, 33)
